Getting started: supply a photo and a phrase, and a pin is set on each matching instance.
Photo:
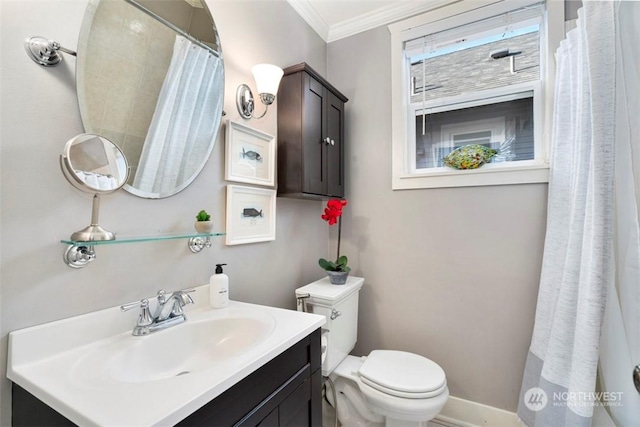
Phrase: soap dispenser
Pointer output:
(219, 288)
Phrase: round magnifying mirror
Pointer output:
(94, 164)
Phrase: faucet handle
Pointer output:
(145, 318)
(131, 305)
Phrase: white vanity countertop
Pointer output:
(69, 364)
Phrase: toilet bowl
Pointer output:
(390, 388)
(386, 388)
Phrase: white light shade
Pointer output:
(267, 78)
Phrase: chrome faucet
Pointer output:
(168, 313)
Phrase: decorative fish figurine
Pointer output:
(469, 156)
(251, 155)
(251, 213)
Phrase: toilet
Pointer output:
(387, 387)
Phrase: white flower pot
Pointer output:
(204, 227)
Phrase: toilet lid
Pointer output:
(402, 374)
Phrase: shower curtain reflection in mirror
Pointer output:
(182, 126)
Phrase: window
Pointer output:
(505, 126)
(471, 73)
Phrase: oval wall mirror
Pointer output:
(150, 78)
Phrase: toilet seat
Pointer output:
(402, 374)
(384, 401)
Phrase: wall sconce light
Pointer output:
(267, 79)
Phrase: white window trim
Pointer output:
(404, 175)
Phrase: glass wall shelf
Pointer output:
(139, 239)
(80, 254)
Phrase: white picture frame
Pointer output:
(250, 155)
(251, 215)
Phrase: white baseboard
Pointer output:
(465, 413)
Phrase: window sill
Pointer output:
(483, 176)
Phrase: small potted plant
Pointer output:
(337, 270)
(203, 223)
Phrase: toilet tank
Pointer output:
(339, 304)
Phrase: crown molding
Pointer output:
(383, 16)
(312, 17)
(376, 18)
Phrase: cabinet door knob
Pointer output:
(333, 142)
(327, 141)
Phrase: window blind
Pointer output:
(507, 25)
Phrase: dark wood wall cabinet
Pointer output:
(287, 391)
(310, 135)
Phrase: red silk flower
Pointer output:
(333, 214)
(333, 211)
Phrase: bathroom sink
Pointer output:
(93, 371)
(180, 350)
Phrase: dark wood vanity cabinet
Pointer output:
(287, 391)
(310, 135)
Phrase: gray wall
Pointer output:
(451, 273)
(39, 114)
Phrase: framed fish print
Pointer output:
(251, 215)
(250, 155)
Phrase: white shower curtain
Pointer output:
(620, 343)
(183, 123)
(578, 264)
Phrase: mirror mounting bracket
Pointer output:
(44, 51)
